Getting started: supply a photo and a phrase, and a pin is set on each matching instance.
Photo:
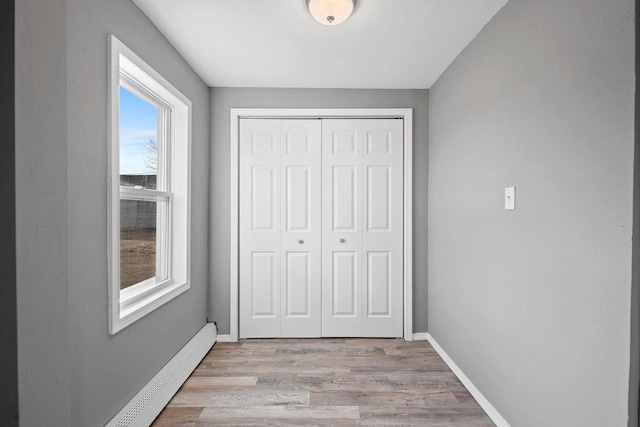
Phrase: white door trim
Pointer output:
(323, 113)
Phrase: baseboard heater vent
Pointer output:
(151, 400)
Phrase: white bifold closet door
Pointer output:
(280, 228)
(362, 228)
(321, 228)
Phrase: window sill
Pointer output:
(142, 300)
(132, 295)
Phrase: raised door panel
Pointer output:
(298, 194)
(382, 238)
(342, 228)
(344, 280)
(378, 198)
(263, 198)
(344, 197)
(345, 141)
(260, 248)
(263, 285)
(301, 231)
(298, 285)
(378, 284)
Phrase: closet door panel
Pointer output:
(382, 236)
(260, 248)
(301, 228)
(341, 228)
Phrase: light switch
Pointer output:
(510, 198)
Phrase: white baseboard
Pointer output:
(420, 336)
(143, 409)
(477, 395)
(224, 338)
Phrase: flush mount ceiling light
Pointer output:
(331, 12)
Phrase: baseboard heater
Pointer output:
(151, 400)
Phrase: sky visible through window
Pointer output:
(138, 126)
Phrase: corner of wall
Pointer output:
(8, 303)
(634, 360)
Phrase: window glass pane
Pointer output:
(138, 241)
(138, 142)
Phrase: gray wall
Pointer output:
(222, 99)
(83, 377)
(534, 305)
(41, 206)
(8, 312)
(634, 374)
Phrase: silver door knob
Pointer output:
(300, 241)
(342, 240)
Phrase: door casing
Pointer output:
(325, 113)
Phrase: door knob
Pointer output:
(342, 240)
(300, 241)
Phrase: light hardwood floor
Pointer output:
(327, 382)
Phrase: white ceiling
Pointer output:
(276, 43)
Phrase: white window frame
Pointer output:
(128, 305)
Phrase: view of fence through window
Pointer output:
(137, 241)
(138, 169)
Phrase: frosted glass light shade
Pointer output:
(331, 12)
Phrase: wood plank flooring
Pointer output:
(324, 382)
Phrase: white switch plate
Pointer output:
(510, 198)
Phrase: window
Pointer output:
(149, 190)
